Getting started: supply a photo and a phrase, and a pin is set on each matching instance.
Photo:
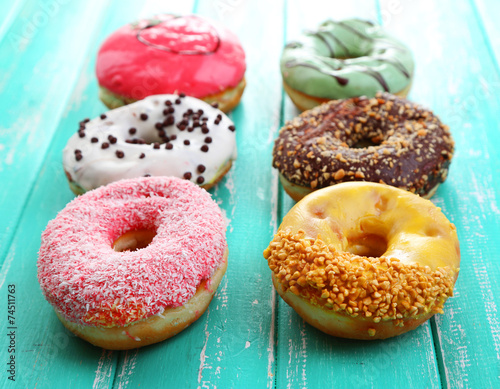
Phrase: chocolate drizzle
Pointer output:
(396, 63)
(373, 73)
(354, 31)
(340, 80)
(141, 39)
(318, 35)
(337, 41)
(332, 42)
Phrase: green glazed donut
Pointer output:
(342, 60)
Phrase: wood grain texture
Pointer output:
(486, 11)
(48, 356)
(456, 77)
(39, 78)
(249, 338)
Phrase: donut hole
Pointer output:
(134, 240)
(364, 143)
(366, 245)
(150, 137)
(432, 232)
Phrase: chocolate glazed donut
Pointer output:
(385, 139)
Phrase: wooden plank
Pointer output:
(38, 78)
(9, 12)
(457, 77)
(232, 345)
(306, 356)
(48, 354)
(486, 11)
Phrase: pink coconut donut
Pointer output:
(134, 262)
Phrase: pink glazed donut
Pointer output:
(134, 262)
(170, 54)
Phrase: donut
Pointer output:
(385, 139)
(163, 135)
(363, 260)
(134, 262)
(345, 59)
(171, 54)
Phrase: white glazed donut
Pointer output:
(162, 135)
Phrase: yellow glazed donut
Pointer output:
(364, 260)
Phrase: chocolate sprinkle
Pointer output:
(119, 153)
(208, 139)
(215, 104)
(132, 130)
(187, 175)
(81, 134)
(182, 95)
(103, 116)
(169, 121)
(78, 157)
(105, 145)
(232, 128)
(112, 139)
(156, 145)
(205, 130)
(204, 148)
(142, 155)
(168, 103)
(173, 137)
(177, 101)
(158, 125)
(200, 180)
(187, 142)
(144, 116)
(94, 140)
(169, 146)
(201, 168)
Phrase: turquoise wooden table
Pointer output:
(249, 338)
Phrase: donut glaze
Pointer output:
(170, 54)
(91, 282)
(384, 139)
(343, 59)
(164, 135)
(364, 260)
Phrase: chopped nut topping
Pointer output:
(366, 139)
(379, 288)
